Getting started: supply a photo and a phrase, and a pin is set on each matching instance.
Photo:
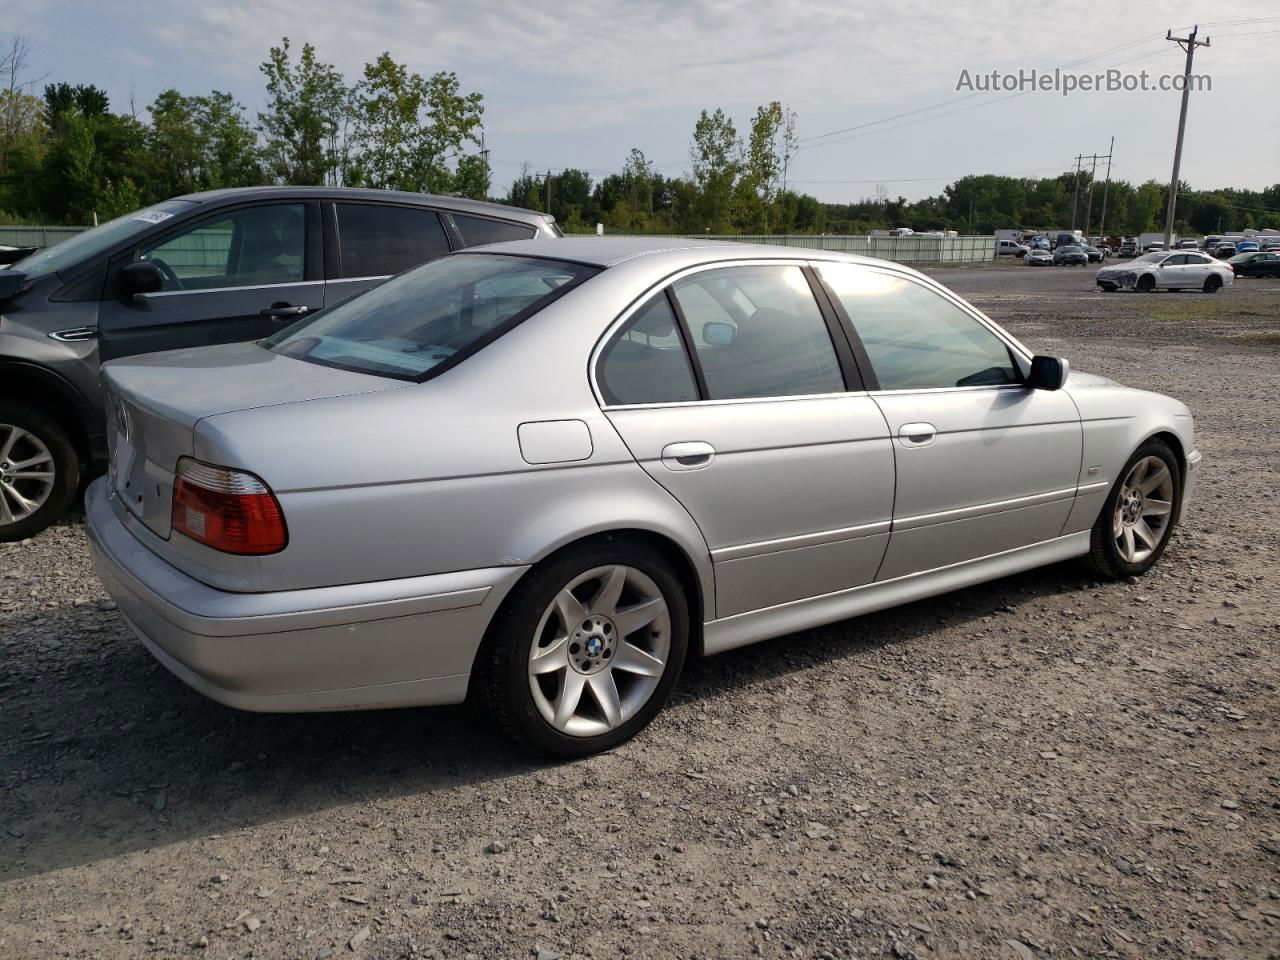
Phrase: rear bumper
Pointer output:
(357, 646)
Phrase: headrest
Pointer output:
(655, 320)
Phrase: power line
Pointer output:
(928, 179)
(967, 96)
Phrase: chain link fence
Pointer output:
(915, 249)
(36, 236)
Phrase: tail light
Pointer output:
(228, 510)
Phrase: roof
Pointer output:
(460, 204)
(610, 251)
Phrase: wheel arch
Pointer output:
(683, 565)
(1174, 442)
(32, 385)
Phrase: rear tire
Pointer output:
(1139, 515)
(1212, 283)
(39, 472)
(562, 634)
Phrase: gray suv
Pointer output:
(216, 267)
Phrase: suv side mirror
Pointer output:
(1048, 373)
(142, 276)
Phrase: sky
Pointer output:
(576, 84)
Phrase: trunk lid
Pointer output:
(155, 401)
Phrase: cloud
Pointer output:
(571, 81)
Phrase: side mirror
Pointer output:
(1048, 373)
(142, 276)
(718, 334)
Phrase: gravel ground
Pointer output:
(1044, 766)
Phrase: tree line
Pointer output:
(67, 157)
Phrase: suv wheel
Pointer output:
(39, 472)
(586, 649)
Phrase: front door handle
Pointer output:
(917, 434)
(691, 455)
(283, 311)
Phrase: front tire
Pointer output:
(1146, 283)
(586, 649)
(39, 472)
(1138, 518)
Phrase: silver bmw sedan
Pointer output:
(541, 475)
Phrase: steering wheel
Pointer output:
(167, 270)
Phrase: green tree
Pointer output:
(305, 116)
(201, 143)
(407, 129)
(715, 154)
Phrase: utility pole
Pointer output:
(1102, 221)
(1075, 199)
(1088, 214)
(548, 190)
(1088, 210)
(1188, 44)
(484, 152)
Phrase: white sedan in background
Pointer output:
(1172, 270)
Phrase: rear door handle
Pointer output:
(691, 455)
(283, 311)
(917, 434)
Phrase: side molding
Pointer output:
(746, 628)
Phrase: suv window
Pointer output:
(478, 230)
(377, 240)
(915, 338)
(247, 247)
(646, 361)
(758, 332)
(427, 320)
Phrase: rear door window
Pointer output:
(377, 240)
(758, 332)
(478, 230)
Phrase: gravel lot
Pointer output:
(1042, 766)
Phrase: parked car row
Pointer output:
(536, 473)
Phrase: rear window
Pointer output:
(478, 230)
(429, 319)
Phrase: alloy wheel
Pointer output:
(600, 650)
(1144, 509)
(27, 473)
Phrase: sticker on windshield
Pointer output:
(153, 216)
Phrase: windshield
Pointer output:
(1150, 257)
(432, 317)
(83, 246)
